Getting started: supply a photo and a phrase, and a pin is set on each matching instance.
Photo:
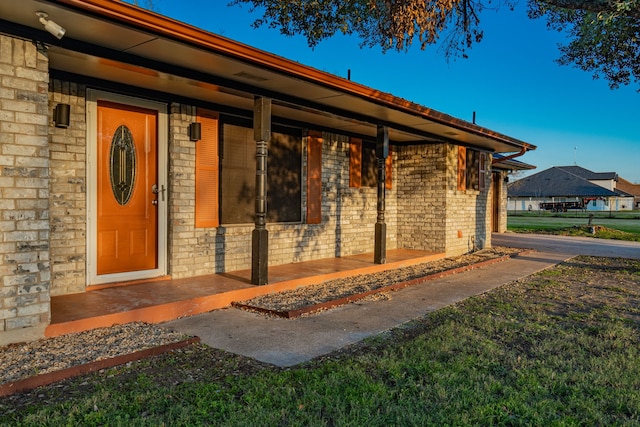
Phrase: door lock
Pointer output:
(156, 190)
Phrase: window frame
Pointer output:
(472, 169)
(250, 182)
(357, 165)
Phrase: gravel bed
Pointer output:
(335, 289)
(19, 361)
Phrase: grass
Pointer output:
(559, 348)
(579, 214)
(620, 228)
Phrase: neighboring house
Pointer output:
(562, 188)
(631, 189)
(136, 147)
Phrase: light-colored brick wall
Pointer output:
(349, 214)
(468, 221)
(432, 214)
(68, 191)
(24, 191)
(498, 184)
(504, 220)
(422, 203)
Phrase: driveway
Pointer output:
(568, 245)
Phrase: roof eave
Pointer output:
(143, 19)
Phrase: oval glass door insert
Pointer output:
(122, 165)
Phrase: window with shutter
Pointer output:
(238, 174)
(314, 178)
(355, 162)
(207, 164)
(482, 174)
(462, 168)
(363, 165)
(473, 169)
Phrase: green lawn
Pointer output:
(579, 214)
(629, 223)
(557, 349)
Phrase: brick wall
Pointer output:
(348, 215)
(24, 191)
(422, 203)
(68, 192)
(432, 214)
(467, 214)
(424, 211)
(498, 184)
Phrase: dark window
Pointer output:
(238, 175)
(363, 165)
(369, 166)
(471, 169)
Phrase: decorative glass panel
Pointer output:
(122, 164)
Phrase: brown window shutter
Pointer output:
(314, 178)
(482, 171)
(389, 170)
(462, 168)
(207, 164)
(355, 162)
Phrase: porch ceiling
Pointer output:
(118, 42)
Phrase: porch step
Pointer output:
(161, 301)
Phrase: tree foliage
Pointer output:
(147, 4)
(603, 34)
(385, 23)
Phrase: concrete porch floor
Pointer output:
(164, 300)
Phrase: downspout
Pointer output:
(512, 156)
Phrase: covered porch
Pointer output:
(163, 300)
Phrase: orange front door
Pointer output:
(127, 212)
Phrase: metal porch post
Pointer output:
(382, 152)
(260, 234)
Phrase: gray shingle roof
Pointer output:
(589, 175)
(557, 182)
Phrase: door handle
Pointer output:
(155, 190)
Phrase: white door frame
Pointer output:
(92, 187)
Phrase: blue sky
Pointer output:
(510, 80)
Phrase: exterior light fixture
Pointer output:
(195, 131)
(53, 28)
(61, 115)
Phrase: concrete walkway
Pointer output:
(288, 342)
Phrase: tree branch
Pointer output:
(596, 6)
